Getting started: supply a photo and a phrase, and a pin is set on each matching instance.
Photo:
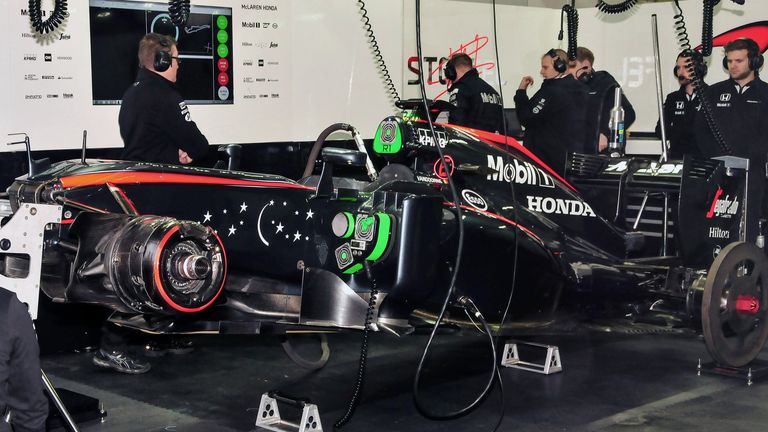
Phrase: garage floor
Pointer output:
(611, 382)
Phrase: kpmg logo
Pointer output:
(425, 138)
(247, 62)
(30, 57)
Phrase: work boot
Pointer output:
(120, 361)
(158, 348)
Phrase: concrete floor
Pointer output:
(611, 382)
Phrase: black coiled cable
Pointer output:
(52, 23)
(572, 16)
(355, 399)
(179, 11)
(693, 65)
(706, 26)
(618, 8)
(378, 57)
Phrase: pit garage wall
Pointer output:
(326, 72)
(321, 72)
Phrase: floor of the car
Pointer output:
(610, 382)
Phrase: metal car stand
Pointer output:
(757, 370)
(551, 364)
(269, 415)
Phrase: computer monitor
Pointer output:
(204, 42)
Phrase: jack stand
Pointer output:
(269, 415)
(758, 369)
(552, 363)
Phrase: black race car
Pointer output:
(175, 249)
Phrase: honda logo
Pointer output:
(725, 97)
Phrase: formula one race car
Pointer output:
(176, 249)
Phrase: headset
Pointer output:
(756, 59)
(695, 60)
(559, 64)
(450, 71)
(163, 57)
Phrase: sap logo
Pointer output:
(273, 44)
(47, 57)
(247, 62)
(47, 77)
(474, 199)
(518, 172)
(559, 206)
(719, 233)
(251, 24)
(30, 57)
(68, 95)
(33, 96)
(723, 208)
(64, 36)
(653, 169)
(725, 97)
(425, 138)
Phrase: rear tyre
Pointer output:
(735, 305)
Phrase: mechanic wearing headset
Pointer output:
(554, 117)
(740, 110)
(156, 126)
(155, 122)
(600, 89)
(681, 106)
(21, 382)
(475, 103)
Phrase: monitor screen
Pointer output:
(205, 49)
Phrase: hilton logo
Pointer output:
(719, 233)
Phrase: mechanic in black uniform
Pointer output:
(475, 103)
(681, 106)
(21, 385)
(600, 90)
(740, 110)
(155, 122)
(554, 117)
(156, 126)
